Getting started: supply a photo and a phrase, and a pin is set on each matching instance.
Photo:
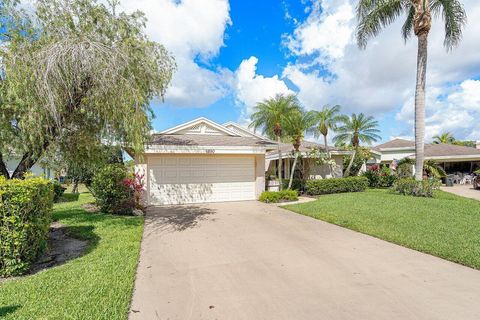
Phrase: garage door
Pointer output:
(190, 179)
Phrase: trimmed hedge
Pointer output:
(336, 185)
(277, 196)
(411, 187)
(25, 217)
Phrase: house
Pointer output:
(313, 170)
(37, 169)
(453, 158)
(202, 161)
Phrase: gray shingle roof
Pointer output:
(206, 140)
(442, 149)
(306, 146)
(395, 143)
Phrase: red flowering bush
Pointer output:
(135, 184)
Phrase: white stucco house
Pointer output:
(453, 158)
(12, 162)
(203, 161)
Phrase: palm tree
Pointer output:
(373, 15)
(430, 167)
(326, 119)
(295, 127)
(445, 137)
(270, 115)
(356, 129)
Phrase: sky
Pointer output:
(232, 54)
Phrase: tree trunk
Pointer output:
(3, 168)
(279, 163)
(347, 172)
(75, 186)
(328, 154)
(27, 162)
(293, 170)
(420, 105)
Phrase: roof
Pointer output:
(395, 143)
(306, 146)
(442, 149)
(432, 150)
(205, 140)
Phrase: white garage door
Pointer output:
(195, 179)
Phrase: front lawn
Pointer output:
(97, 285)
(446, 226)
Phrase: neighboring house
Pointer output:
(314, 171)
(202, 161)
(37, 169)
(453, 158)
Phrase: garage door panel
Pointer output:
(201, 179)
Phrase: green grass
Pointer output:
(446, 226)
(97, 285)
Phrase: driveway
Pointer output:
(248, 260)
(463, 190)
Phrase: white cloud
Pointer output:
(251, 88)
(324, 31)
(191, 30)
(381, 78)
(453, 109)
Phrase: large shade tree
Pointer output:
(356, 129)
(270, 115)
(296, 125)
(74, 75)
(373, 15)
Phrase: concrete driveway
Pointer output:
(248, 260)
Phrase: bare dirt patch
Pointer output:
(62, 247)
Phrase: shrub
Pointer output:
(380, 177)
(111, 194)
(404, 170)
(58, 190)
(336, 185)
(297, 184)
(411, 187)
(25, 216)
(277, 196)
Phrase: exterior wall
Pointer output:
(389, 156)
(259, 174)
(37, 170)
(142, 167)
(323, 172)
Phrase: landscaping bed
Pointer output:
(445, 226)
(96, 285)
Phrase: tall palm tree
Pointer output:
(445, 137)
(356, 129)
(326, 119)
(373, 15)
(270, 115)
(295, 127)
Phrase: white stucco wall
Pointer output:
(322, 171)
(37, 170)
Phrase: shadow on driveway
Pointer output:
(176, 218)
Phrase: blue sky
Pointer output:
(232, 54)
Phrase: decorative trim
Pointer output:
(159, 149)
(196, 122)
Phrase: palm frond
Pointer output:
(454, 18)
(407, 28)
(373, 15)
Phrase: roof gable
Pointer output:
(200, 126)
(240, 130)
